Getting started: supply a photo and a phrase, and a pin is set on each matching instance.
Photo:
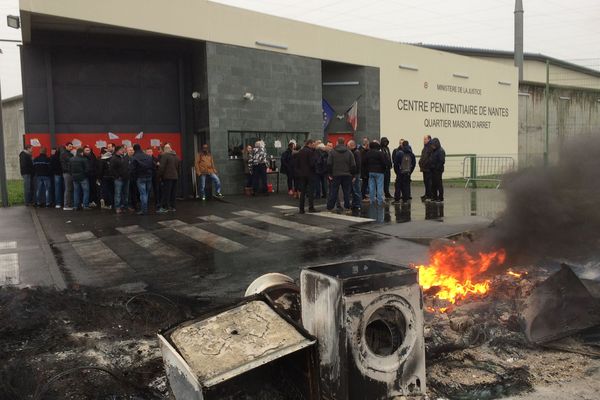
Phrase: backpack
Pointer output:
(406, 163)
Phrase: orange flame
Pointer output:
(453, 270)
(515, 274)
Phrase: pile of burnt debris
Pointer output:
(348, 331)
(538, 330)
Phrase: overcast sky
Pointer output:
(566, 29)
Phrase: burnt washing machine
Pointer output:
(368, 318)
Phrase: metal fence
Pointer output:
(486, 168)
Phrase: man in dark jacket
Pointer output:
(107, 180)
(119, 169)
(92, 174)
(364, 175)
(304, 169)
(65, 156)
(26, 165)
(356, 183)
(425, 166)
(341, 166)
(141, 167)
(79, 167)
(286, 166)
(168, 173)
(56, 170)
(375, 163)
(385, 149)
(438, 159)
(404, 165)
(321, 182)
(42, 172)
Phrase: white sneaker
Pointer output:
(57, 207)
(67, 208)
(92, 204)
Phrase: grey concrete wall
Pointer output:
(572, 112)
(287, 92)
(14, 129)
(341, 97)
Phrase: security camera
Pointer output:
(248, 96)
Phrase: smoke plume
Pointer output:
(554, 211)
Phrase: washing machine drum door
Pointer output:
(384, 337)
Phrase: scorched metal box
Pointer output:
(368, 318)
(249, 350)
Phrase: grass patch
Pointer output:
(15, 192)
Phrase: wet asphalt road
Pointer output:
(214, 249)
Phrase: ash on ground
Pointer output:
(101, 344)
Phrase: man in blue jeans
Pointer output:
(376, 163)
(26, 165)
(79, 167)
(57, 174)
(42, 171)
(142, 167)
(119, 169)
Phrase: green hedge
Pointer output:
(15, 192)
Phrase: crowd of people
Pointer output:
(349, 174)
(128, 178)
(122, 178)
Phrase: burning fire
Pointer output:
(453, 271)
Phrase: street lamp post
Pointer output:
(3, 184)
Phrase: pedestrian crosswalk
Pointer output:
(9, 269)
(178, 241)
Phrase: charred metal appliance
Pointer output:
(368, 318)
(249, 350)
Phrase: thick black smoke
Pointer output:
(553, 212)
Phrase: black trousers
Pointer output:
(364, 189)
(259, 178)
(387, 176)
(168, 193)
(306, 187)
(437, 187)
(428, 184)
(402, 187)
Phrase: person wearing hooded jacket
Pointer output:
(438, 159)
(387, 175)
(341, 166)
(404, 165)
(375, 163)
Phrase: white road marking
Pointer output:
(210, 239)
(270, 237)
(9, 269)
(85, 235)
(291, 224)
(245, 213)
(285, 207)
(130, 229)
(157, 247)
(172, 222)
(343, 217)
(8, 245)
(96, 254)
(211, 218)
